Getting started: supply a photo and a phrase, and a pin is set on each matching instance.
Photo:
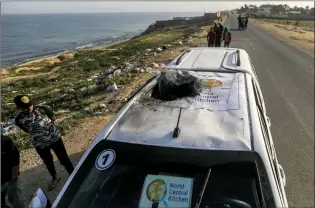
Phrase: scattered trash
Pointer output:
(155, 65)
(115, 57)
(113, 67)
(126, 64)
(83, 89)
(112, 87)
(98, 113)
(147, 69)
(103, 105)
(117, 72)
(110, 76)
(89, 59)
(159, 50)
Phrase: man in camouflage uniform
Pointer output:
(38, 122)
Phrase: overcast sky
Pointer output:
(24, 7)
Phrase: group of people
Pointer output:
(218, 34)
(240, 22)
(38, 122)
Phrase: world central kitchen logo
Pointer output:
(159, 191)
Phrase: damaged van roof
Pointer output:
(216, 119)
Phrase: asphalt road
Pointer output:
(286, 76)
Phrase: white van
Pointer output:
(210, 150)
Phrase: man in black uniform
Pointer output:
(10, 165)
(246, 21)
(38, 121)
(239, 21)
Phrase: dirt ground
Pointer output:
(301, 35)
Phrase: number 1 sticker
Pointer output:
(105, 159)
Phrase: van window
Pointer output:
(121, 175)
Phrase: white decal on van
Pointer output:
(105, 159)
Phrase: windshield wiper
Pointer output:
(203, 189)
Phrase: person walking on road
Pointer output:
(218, 37)
(10, 166)
(227, 37)
(221, 28)
(211, 37)
(215, 27)
(246, 21)
(38, 122)
(239, 21)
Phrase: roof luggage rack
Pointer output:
(238, 61)
(181, 56)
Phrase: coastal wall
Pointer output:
(207, 17)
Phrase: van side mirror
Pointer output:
(282, 175)
(39, 199)
(268, 121)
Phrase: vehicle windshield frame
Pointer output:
(146, 153)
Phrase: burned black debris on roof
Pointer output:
(175, 84)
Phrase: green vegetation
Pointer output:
(72, 84)
(277, 8)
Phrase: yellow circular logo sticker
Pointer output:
(156, 190)
(25, 99)
(211, 83)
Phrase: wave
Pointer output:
(19, 61)
(50, 53)
(23, 57)
(84, 46)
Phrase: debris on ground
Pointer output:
(112, 87)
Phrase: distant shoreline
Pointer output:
(106, 13)
(13, 62)
(53, 55)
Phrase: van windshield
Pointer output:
(120, 178)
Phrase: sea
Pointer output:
(29, 36)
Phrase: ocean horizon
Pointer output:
(30, 36)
